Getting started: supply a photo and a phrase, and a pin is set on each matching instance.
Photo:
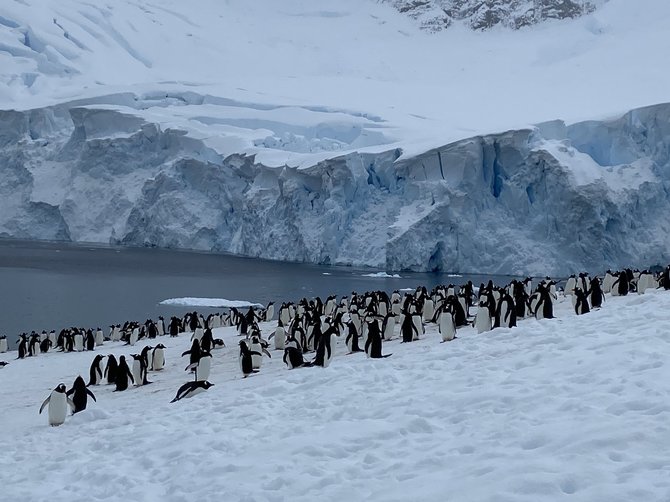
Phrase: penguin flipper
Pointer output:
(92, 395)
(46, 401)
(266, 352)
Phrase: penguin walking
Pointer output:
(111, 369)
(58, 403)
(139, 371)
(158, 357)
(123, 374)
(245, 359)
(95, 372)
(447, 326)
(191, 389)
(373, 345)
(79, 393)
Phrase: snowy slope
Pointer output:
(573, 408)
(161, 124)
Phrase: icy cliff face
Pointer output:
(436, 15)
(553, 199)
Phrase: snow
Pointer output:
(570, 408)
(209, 302)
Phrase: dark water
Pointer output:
(55, 285)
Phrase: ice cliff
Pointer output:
(554, 199)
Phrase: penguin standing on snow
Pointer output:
(245, 358)
(203, 367)
(408, 328)
(3, 344)
(139, 370)
(582, 302)
(79, 394)
(193, 353)
(23, 347)
(373, 345)
(123, 374)
(596, 293)
(58, 403)
(158, 357)
(111, 369)
(95, 373)
(352, 338)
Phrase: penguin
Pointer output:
(352, 338)
(197, 334)
(79, 394)
(582, 303)
(482, 320)
(161, 326)
(146, 357)
(122, 375)
(45, 345)
(191, 389)
(293, 357)
(202, 367)
(428, 310)
(78, 342)
(174, 327)
(3, 344)
(139, 370)
(269, 312)
(3, 364)
(570, 285)
(257, 351)
(388, 325)
(193, 352)
(596, 294)
(58, 403)
(447, 326)
(218, 343)
(95, 372)
(206, 341)
(89, 340)
(324, 350)
(111, 369)
(245, 359)
(408, 328)
(280, 336)
(543, 308)
(34, 345)
(505, 315)
(134, 336)
(373, 345)
(158, 357)
(23, 346)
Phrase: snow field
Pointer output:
(573, 408)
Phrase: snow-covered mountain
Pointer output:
(435, 15)
(337, 132)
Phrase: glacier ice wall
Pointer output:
(548, 200)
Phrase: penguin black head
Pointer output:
(60, 388)
(79, 383)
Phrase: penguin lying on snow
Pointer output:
(3, 364)
(191, 389)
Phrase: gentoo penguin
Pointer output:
(505, 315)
(3, 364)
(79, 394)
(482, 322)
(158, 357)
(89, 340)
(280, 336)
(99, 337)
(293, 357)
(608, 281)
(257, 351)
(191, 389)
(408, 328)
(373, 345)
(161, 325)
(352, 338)
(570, 285)
(428, 310)
(134, 336)
(146, 357)
(139, 370)
(269, 312)
(218, 343)
(122, 375)
(207, 340)
(95, 373)
(596, 294)
(202, 367)
(111, 369)
(78, 341)
(246, 364)
(23, 346)
(193, 353)
(447, 326)
(3, 344)
(58, 403)
(34, 346)
(582, 303)
(388, 325)
(45, 345)
(544, 307)
(324, 350)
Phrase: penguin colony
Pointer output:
(308, 327)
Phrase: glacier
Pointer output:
(548, 199)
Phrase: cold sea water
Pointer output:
(47, 285)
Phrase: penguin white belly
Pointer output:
(3, 345)
(447, 327)
(388, 331)
(52, 337)
(78, 342)
(383, 309)
(99, 338)
(197, 334)
(280, 338)
(416, 320)
(57, 408)
(256, 360)
(43, 336)
(203, 368)
(570, 286)
(158, 360)
(137, 372)
(504, 309)
(428, 310)
(483, 320)
(134, 335)
(269, 313)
